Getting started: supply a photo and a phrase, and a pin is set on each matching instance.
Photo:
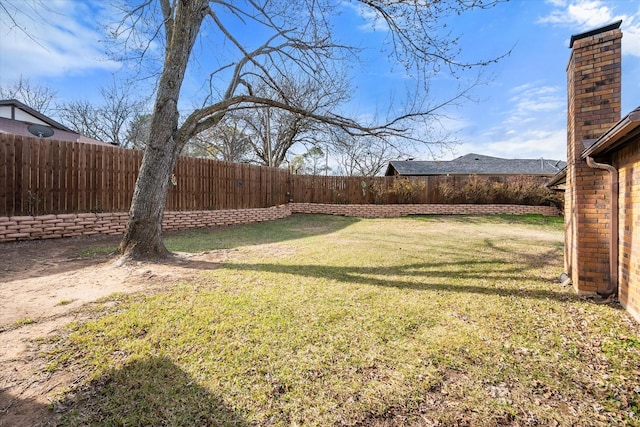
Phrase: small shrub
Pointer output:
(512, 190)
(378, 192)
(33, 203)
(338, 198)
(407, 190)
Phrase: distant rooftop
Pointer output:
(17, 118)
(476, 164)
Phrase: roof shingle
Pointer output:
(476, 164)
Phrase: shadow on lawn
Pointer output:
(16, 411)
(293, 227)
(41, 258)
(503, 280)
(152, 391)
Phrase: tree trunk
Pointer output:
(143, 235)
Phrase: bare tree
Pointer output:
(297, 40)
(274, 131)
(364, 156)
(108, 121)
(227, 141)
(82, 117)
(38, 97)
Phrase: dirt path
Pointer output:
(42, 286)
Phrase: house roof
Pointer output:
(17, 127)
(34, 113)
(476, 164)
(17, 118)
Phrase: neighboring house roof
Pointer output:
(17, 118)
(476, 164)
(625, 131)
(18, 127)
(27, 114)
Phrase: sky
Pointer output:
(518, 112)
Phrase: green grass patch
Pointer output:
(336, 321)
(528, 219)
(97, 250)
(24, 322)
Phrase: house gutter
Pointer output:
(612, 288)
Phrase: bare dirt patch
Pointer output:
(43, 285)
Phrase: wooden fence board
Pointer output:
(4, 178)
(43, 177)
(10, 178)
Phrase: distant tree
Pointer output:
(310, 163)
(39, 97)
(363, 156)
(108, 121)
(83, 117)
(227, 141)
(288, 39)
(274, 131)
(137, 133)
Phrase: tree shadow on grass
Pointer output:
(42, 258)
(447, 276)
(293, 227)
(16, 411)
(149, 392)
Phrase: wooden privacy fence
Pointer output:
(39, 176)
(368, 190)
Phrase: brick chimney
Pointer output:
(593, 82)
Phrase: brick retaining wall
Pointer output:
(113, 223)
(392, 211)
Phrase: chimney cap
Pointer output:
(613, 26)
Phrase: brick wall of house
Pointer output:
(593, 78)
(627, 161)
(88, 224)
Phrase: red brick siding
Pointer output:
(627, 161)
(72, 225)
(593, 78)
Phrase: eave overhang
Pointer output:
(626, 130)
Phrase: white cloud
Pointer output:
(58, 40)
(631, 36)
(583, 15)
(530, 102)
(527, 144)
(373, 21)
(532, 125)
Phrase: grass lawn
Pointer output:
(324, 320)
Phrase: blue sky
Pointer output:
(519, 113)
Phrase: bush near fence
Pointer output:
(40, 177)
